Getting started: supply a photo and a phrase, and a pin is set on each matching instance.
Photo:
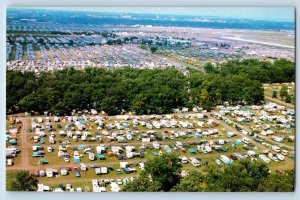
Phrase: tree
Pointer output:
(24, 182)
(241, 176)
(165, 170)
(144, 91)
(41, 40)
(204, 99)
(143, 184)
(126, 39)
(238, 177)
(288, 99)
(274, 94)
(109, 42)
(153, 49)
(71, 42)
(279, 182)
(194, 182)
(160, 174)
(283, 92)
(209, 68)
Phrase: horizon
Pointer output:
(284, 14)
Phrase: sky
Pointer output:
(258, 13)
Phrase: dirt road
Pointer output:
(24, 164)
(288, 105)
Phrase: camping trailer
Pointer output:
(49, 172)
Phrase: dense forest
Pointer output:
(163, 174)
(281, 71)
(143, 91)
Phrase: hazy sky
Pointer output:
(265, 13)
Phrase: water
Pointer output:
(85, 18)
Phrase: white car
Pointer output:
(218, 162)
(280, 157)
(284, 152)
(78, 189)
(68, 187)
(9, 162)
(119, 182)
(50, 149)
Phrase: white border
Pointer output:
(117, 3)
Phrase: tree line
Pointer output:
(279, 71)
(142, 91)
(163, 174)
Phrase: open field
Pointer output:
(269, 88)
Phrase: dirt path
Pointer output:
(288, 105)
(25, 157)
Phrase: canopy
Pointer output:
(101, 156)
(76, 160)
(191, 150)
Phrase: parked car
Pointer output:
(77, 172)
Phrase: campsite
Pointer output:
(58, 149)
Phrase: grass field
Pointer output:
(271, 87)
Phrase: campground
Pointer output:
(197, 133)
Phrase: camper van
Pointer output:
(9, 162)
(179, 144)
(91, 156)
(195, 162)
(225, 159)
(183, 159)
(246, 140)
(82, 167)
(156, 145)
(97, 171)
(63, 171)
(264, 158)
(96, 187)
(49, 172)
(276, 148)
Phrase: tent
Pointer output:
(192, 150)
(43, 161)
(76, 160)
(12, 141)
(101, 156)
(80, 147)
(255, 148)
(237, 142)
(198, 135)
(36, 154)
